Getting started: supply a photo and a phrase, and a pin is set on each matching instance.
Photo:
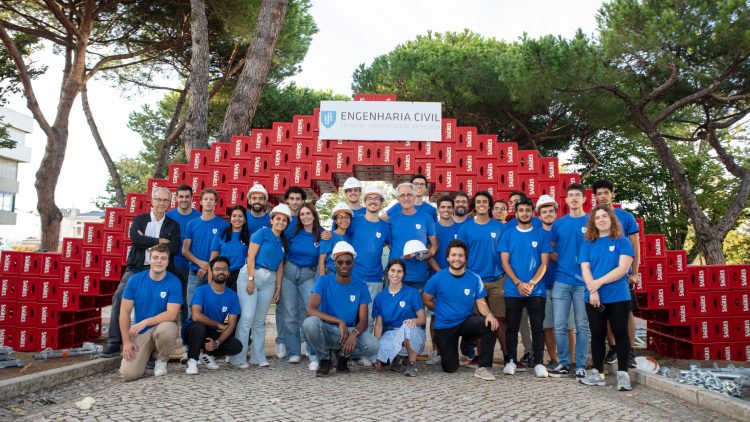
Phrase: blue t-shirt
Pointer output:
(234, 249)
(425, 208)
(627, 221)
(454, 296)
(525, 248)
(396, 308)
(603, 255)
(326, 247)
(368, 239)
(179, 260)
(567, 235)
(202, 233)
(445, 234)
(151, 297)
(549, 275)
(341, 300)
(255, 223)
(535, 222)
(482, 240)
(303, 249)
(418, 226)
(270, 249)
(216, 306)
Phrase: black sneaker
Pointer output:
(526, 359)
(324, 367)
(611, 356)
(395, 365)
(559, 371)
(341, 365)
(111, 351)
(150, 364)
(631, 361)
(520, 367)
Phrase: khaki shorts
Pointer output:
(496, 297)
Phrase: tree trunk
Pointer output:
(113, 173)
(196, 127)
(712, 248)
(253, 78)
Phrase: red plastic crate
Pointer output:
(72, 300)
(740, 302)
(656, 298)
(655, 246)
(50, 316)
(240, 147)
(261, 140)
(405, 163)
(322, 169)
(51, 264)
(136, 203)
(466, 184)
(304, 126)
(508, 180)
(549, 168)
(364, 153)
(384, 154)
(487, 147)
(72, 249)
(8, 285)
(282, 134)
(720, 277)
(301, 150)
(25, 340)
(449, 130)
(260, 164)
(342, 161)
(446, 155)
(678, 313)
(739, 277)
(677, 262)
(30, 263)
(300, 175)
(92, 259)
(93, 285)
(112, 268)
(48, 291)
(217, 177)
(8, 336)
(11, 262)
(712, 351)
(487, 171)
(530, 185)
(200, 160)
(426, 168)
(278, 182)
(741, 351)
(90, 329)
(655, 272)
(677, 287)
(26, 314)
(112, 244)
(445, 180)
(280, 157)
(507, 154)
(741, 328)
(8, 312)
(114, 219)
(220, 153)
(710, 304)
(551, 188)
(466, 139)
(56, 338)
(70, 274)
(28, 288)
(154, 183)
(711, 329)
(528, 161)
(178, 174)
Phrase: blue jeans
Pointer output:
(183, 274)
(296, 288)
(193, 283)
(374, 288)
(563, 296)
(253, 310)
(324, 337)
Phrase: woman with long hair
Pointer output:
(399, 321)
(259, 284)
(300, 271)
(605, 257)
(233, 243)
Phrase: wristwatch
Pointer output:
(250, 278)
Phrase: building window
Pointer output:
(7, 201)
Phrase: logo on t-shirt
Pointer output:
(401, 303)
(224, 308)
(316, 244)
(377, 234)
(215, 231)
(612, 248)
(352, 298)
(163, 295)
(533, 244)
(583, 230)
(418, 226)
(493, 234)
(467, 291)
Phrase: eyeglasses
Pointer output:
(344, 262)
(419, 184)
(160, 199)
(221, 270)
(406, 195)
(343, 217)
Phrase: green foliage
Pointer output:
(134, 174)
(737, 245)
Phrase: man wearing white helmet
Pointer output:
(257, 217)
(353, 192)
(338, 315)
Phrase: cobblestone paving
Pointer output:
(290, 392)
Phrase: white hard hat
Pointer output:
(258, 188)
(283, 209)
(352, 183)
(339, 208)
(545, 200)
(415, 248)
(343, 247)
(370, 189)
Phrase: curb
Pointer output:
(34, 382)
(726, 405)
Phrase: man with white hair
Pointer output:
(148, 229)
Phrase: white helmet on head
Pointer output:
(343, 247)
(545, 200)
(282, 209)
(352, 183)
(415, 249)
(258, 188)
(341, 208)
(372, 189)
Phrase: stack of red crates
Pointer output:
(694, 312)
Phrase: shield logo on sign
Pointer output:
(224, 309)
(352, 297)
(328, 118)
(215, 231)
(163, 295)
(612, 248)
(418, 226)
(467, 291)
(493, 234)
(401, 303)
(533, 244)
(377, 234)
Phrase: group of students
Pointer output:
(482, 275)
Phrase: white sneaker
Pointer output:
(160, 368)
(313, 366)
(540, 371)
(623, 381)
(243, 365)
(510, 368)
(294, 359)
(593, 378)
(264, 364)
(192, 367)
(183, 358)
(365, 362)
(209, 361)
(280, 350)
(303, 349)
(434, 359)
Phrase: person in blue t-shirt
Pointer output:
(259, 284)
(606, 257)
(605, 193)
(182, 214)
(232, 243)
(446, 229)
(500, 210)
(208, 331)
(524, 251)
(568, 290)
(300, 269)
(461, 208)
(452, 294)
(353, 193)
(156, 296)
(342, 215)
(421, 187)
(196, 247)
(337, 312)
(399, 321)
(409, 224)
(257, 217)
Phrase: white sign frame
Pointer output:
(380, 121)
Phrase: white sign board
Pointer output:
(380, 121)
